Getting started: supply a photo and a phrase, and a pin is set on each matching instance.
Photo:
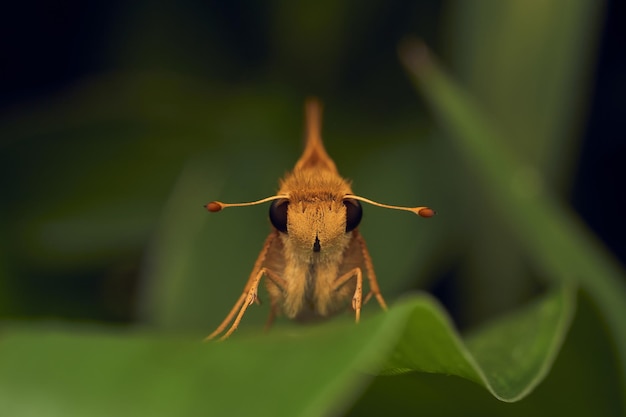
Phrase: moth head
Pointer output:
(351, 214)
(316, 225)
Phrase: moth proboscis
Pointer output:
(314, 259)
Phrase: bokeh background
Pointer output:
(108, 109)
(120, 120)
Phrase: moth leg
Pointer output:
(246, 289)
(228, 318)
(251, 297)
(371, 275)
(357, 298)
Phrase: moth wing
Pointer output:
(274, 260)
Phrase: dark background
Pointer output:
(50, 47)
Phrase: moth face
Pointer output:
(316, 226)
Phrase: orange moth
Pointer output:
(315, 259)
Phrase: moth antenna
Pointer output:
(420, 211)
(215, 206)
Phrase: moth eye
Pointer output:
(354, 213)
(278, 214)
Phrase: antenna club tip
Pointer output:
(426, 212)
(214, 206)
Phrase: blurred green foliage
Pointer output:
(102, 222)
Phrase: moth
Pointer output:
(314, 260)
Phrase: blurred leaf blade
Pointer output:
(53, 367)
(550, 233)
(531, 83)
(529, 80)
(168, 263)
(74, 373)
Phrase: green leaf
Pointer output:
(301, 371)
(582, 382)
(549, 232)
(531, 81)
(508, 357)
(304, 371)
